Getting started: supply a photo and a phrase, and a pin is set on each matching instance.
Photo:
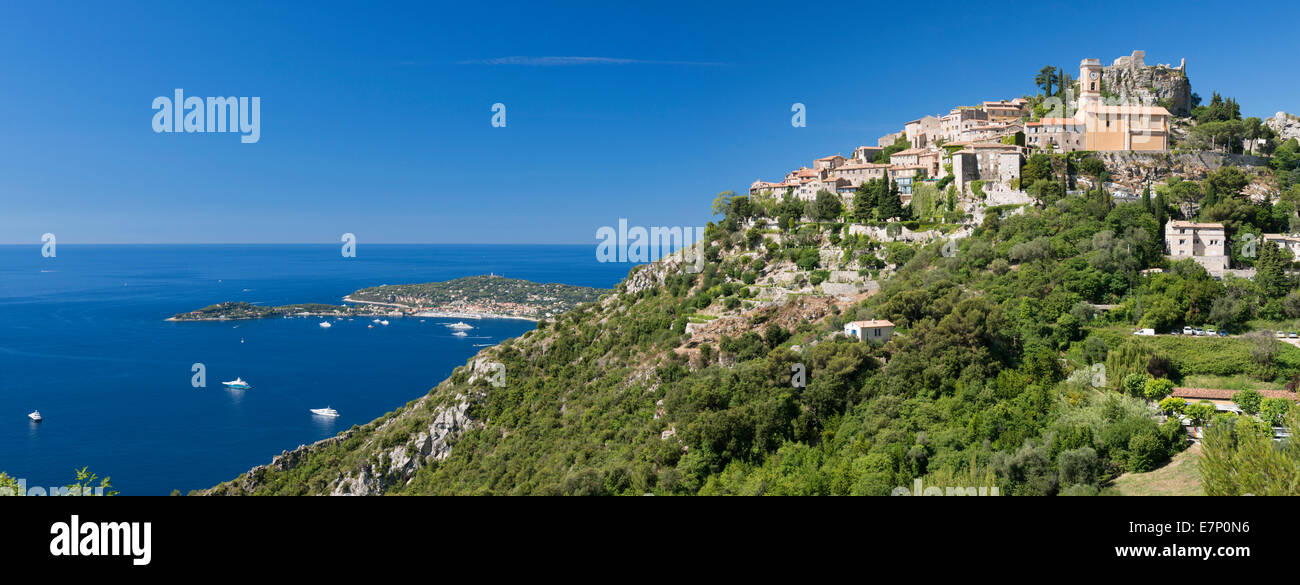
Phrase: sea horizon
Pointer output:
(88, 346)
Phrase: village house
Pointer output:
(989, 132)
(859, 173)
(1203, 242)
(918, 157)
(986, 161)
(866, 154)
(905, 175)
(959, 120)
(890, 139)
(874, 331)
(827, 163)
(1006, 111)
(922, 132)
(1055, 134)
(1286, 242)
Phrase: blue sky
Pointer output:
(376, 120)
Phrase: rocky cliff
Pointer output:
(1137, 169)
(1286, 125)
(1133, 80)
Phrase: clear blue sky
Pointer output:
(376, 119)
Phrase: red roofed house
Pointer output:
(874, 331)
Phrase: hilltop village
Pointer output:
(1019, 294)
(1126, 117)
(989, 142)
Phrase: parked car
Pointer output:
(1198, 331)
(1145, 332)
(1293, 335)
(1281, 334)
(1223, 333)
(1188, 331)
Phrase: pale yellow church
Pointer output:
(1117, 127)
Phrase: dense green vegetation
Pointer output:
(84, 483)
(500, 295)
(991, 379)
(551, 296)
(242, 310)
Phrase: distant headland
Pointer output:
(470, 297)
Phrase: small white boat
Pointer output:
(327, 411)
(325, 324)
(375, 321)
(460, 334)
(370, 326)
(237, 383)
(35, 416)
(384, 322)
(460, 325)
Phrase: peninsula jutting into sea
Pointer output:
(472, 297)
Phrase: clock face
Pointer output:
(1093, 75)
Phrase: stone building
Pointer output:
(1006, 111)
(1206, 243)
(986, 161)
(920, 157)
(1055, 134)
(827, 163)
(922, 132)
(873, 331)
(890, 139)
(960, 119)
(1287, 242)
(866, 154)
(1117, 126)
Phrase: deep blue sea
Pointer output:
(83, 339)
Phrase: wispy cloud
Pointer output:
(575, 61)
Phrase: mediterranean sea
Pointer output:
(83, 340)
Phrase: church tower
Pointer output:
(1089, 83)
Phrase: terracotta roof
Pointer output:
(910, 151)
(1056, 122)
(1215, 394)
(1125, 109)
(1192, 224)
(873, 323)
(862, 166)
(833, 156)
